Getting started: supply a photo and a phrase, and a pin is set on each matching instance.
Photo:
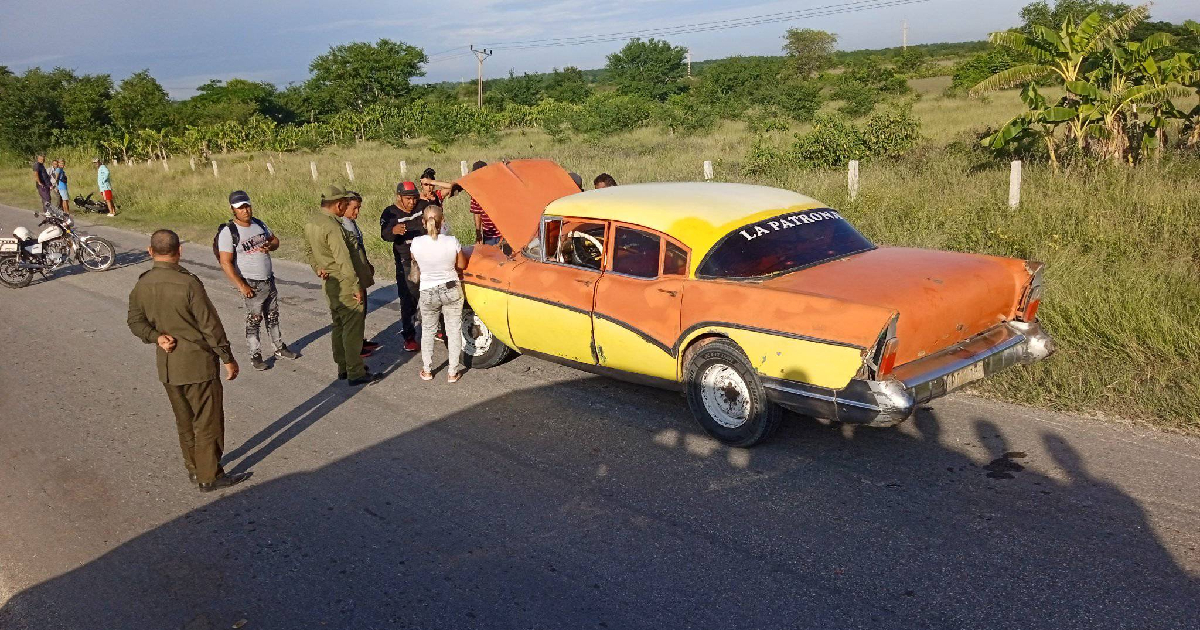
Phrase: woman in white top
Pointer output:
(439, 258)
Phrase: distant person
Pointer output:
(62, 186)
(55, 196)
(350, 224)
(399, 224)
(433, 191)
(604, 180)
(244, 247)
(41, 179)
(439, 258)
(169, 307)
(345, 280)
(104, 183)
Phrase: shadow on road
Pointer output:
(564, 507)
(382, 297)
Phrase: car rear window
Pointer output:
(783, 243)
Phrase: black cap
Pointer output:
(407, 189)
(239, 198)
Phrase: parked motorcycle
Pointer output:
(87, 204)
(57, 246)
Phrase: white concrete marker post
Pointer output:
(852, 179)
(312, 166)
(215, 173)
(192, 161)
(403, 168)
(463, 166)
(349, 171)
(708, 171)
(271, 169)
(166, 167)
(1014, 185)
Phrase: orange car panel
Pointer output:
(630, 311)
(550, 309)
(515, 194)
(942, 297)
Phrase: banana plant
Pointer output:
(1040, 119)
(1063, 53)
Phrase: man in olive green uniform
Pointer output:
(168, 307)
(345, 277)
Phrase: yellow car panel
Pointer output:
(492, 308)
(550, 329)
(778, 356)
(620, 348)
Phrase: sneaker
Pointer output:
(284, 353)
(257, 362)
(410, 345)
(441, 336)
(110, 214)
(341, 376)
(371, 345)
(366, 352)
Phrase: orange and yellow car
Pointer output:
(749, 298)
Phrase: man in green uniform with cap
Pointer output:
(345, 277)
(168, 307)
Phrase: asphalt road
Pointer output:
(534, 496)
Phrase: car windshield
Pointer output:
(784, 243)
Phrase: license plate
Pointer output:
(969, 374)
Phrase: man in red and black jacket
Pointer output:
(399, 224)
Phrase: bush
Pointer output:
(800, 100)
(607, 114)
(835, 140)
(761, 121)
(979, 67)
(858, 99)
(683, 113)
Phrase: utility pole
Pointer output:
(689, 60)
(480, 55)
(904, 34)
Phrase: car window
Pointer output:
(548, 234)
(781, 244)
(635, 253)
(580, 243)
(675, 260)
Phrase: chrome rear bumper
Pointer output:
(887, 402)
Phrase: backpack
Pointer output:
(234, 235)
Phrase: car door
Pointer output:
(636, 316)
(550, 305)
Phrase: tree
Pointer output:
(140, 103)
(353, 76)
(731, 85)
(650, 69)
(809, 51)
(1040, 13)
(567, 85)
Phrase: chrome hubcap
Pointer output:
(725, 395)
(476, 336)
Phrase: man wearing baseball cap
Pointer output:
(399, 224)
(345, 278)
(244, 246)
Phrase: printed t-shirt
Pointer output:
(436, 259)
(253, 265)
(102, 179)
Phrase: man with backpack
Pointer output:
(243, 246)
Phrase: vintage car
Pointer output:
(749, 298)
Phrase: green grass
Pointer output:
(1122, 244)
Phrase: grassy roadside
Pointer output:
(1122, 245)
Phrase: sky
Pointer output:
(185, 44)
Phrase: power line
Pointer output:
(701, 27)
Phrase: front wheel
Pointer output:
(726, 396)
(96, 254)
(12, 275)
(481, 348)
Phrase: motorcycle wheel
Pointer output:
(97, 254)
(12, 275)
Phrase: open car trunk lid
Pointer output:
(942, 297)
(515, 194)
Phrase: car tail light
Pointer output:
(887, 362)
(1032, 299)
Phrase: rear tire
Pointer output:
(12, 275)
(726, 396)
(481, 349)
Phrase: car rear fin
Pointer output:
(514, 195)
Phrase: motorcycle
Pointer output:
(57, 246)
(87, 204)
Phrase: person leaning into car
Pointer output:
(169, 307)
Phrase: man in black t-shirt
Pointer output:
(399, 224)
